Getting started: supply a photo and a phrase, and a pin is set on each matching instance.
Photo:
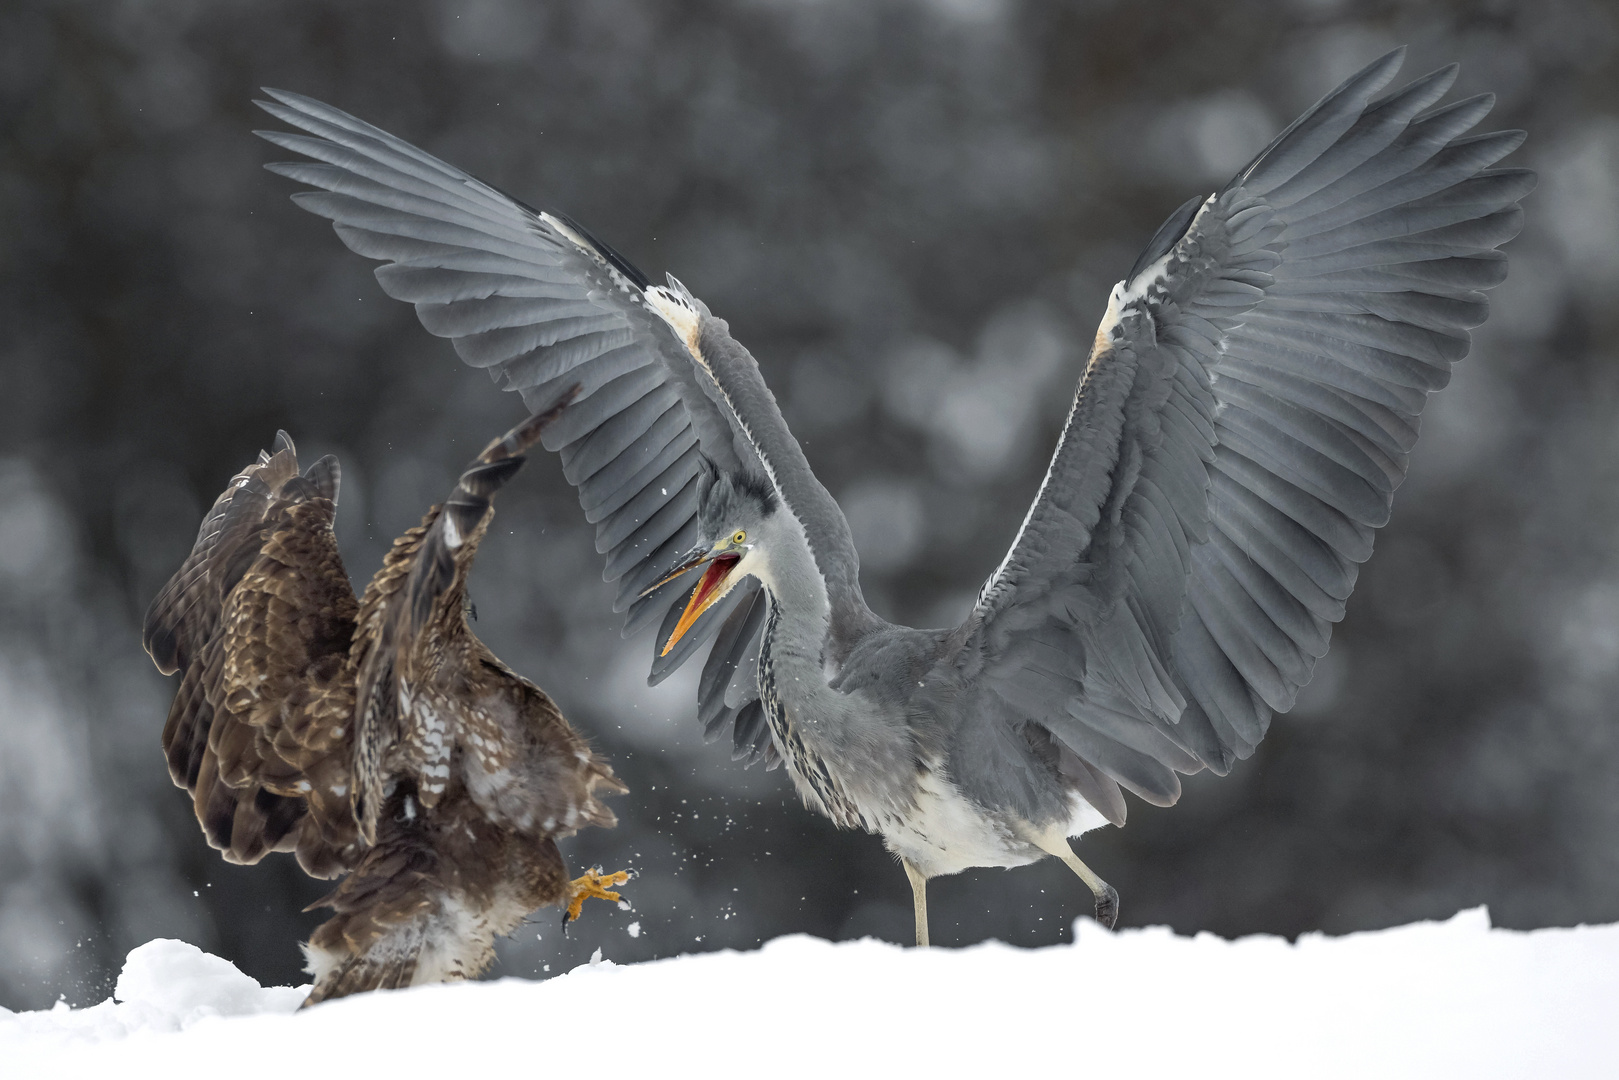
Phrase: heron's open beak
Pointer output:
(710, 587)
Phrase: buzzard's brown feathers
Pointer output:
(375, 736)
(265, 567)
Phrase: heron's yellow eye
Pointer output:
(738, 537)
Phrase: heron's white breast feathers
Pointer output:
(945, 833)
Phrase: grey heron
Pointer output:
(1239, 428)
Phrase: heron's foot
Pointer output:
(1107, 906)
(592, 883)
(1107, 897)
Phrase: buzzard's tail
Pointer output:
(426, 903)
(341, 973)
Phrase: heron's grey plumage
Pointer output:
(1245, 415)
(517, 295)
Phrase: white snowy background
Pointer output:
(1430, 1000)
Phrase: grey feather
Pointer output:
(1236, 439)
(517, 296)
(1303, 376)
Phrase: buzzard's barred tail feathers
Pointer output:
(426, 902)
(602, 782)
(337, 975)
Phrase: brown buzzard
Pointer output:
(373, 736)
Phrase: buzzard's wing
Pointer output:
(1237, 436)
(258, 621)
(289, 625)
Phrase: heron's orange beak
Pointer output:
(710, 587)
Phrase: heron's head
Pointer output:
(738, 514)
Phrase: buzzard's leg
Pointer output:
(1107, 897)
(592, 883)
(919, 893)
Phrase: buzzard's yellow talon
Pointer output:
(593, 883)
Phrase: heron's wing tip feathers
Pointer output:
(1243, 424)
(542, 304)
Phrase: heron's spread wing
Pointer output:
(541, 304)
(258, 621)
(1246, 414)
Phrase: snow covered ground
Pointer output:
(1430, 1000)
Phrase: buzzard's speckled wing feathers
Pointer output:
(1239, 431)
(259, 621)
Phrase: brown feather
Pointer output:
(375, 736)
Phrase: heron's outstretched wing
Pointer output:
(258, 622)
(539, 303)
(1239, 430)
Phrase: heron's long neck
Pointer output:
(826, 530)
(820, 731)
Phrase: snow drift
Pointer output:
(1451, 999)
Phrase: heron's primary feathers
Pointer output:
(1241, 423)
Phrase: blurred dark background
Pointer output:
(911, 211)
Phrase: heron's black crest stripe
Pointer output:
(761, 489)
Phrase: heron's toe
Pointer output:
(1107, 906)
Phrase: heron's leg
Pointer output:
(919, 893)
(1107, 897)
